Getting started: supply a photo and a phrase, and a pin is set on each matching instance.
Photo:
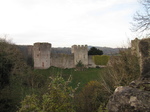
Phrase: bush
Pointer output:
(5, 70)
(100, 60)
(91, 97)
(12, 67)
(80, 66)
(121, 70)
(58, 98)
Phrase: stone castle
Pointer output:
(44, 58)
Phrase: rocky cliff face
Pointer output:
(136, 96)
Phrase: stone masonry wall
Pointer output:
(62, 60)
(135, 46)
(80, 54)
(91, 62)
(41, 56)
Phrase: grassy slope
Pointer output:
(82, 77)
(37, 81)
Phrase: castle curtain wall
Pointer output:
(62, 60)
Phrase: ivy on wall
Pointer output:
(100, 59)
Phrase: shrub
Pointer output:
(12, 67)
(5, 70)
(58, 98)
(80, 66)
(121, 70)
(91, 97)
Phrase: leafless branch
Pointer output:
(142, 19)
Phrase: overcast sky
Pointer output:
(64, 23)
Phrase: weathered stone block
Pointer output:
(128, 99)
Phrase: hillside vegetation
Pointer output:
(25, 89)
(17, 79)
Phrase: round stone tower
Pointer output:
(41, 55)
(80, 54)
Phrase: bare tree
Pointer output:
(142, 19)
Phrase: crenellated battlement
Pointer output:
(78, 48)
(80, 54)
(44, 59)
(42, 46)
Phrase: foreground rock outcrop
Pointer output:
(136, 96)
(128, 99)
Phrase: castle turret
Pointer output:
(42, 53)
(80, 54)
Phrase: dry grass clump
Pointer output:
(121, 70)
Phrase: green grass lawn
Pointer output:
(82, 77)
